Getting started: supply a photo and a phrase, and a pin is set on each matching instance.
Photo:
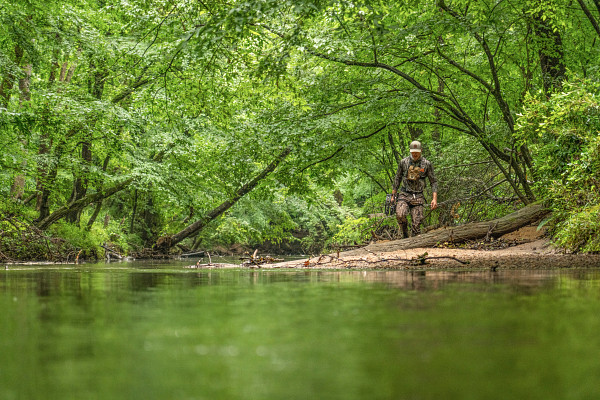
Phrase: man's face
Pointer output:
(415, 155)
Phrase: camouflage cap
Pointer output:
(415, 147)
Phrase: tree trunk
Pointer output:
(99, 203)
(54, 65)
(149, 218)
(476, 230)
(164, 243)
(436, 135)
(18, 187)
(133, 211)
(397, 156)
(589, 15)
(414, 132)
(44, 200)
(46, 177)
(9, 80)
(44, 146)
(550, 52)
(80, 185)
(81, 182)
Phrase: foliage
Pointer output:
(19, 240)
(288, 222)
(187, 102)
(580, 231)
(88, 242)
(352, 231)
(566, 133)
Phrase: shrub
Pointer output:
(565, 132)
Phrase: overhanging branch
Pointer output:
(342, 148)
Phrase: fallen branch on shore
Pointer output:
(325, 259)
(256, 261)
(111, 251)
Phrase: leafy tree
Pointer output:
(566, 130)
(154, 116)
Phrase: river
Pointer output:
(161, 331)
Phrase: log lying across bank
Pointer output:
(457, 234)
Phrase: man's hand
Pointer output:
(434, 202)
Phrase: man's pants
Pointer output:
(407, 203)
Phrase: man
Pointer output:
(412, 173)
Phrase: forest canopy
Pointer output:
(181, 126)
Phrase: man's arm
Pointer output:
(397, 180)
(434, 186)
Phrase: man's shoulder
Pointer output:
(408, 160)
(425, 161)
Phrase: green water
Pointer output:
(165, 332)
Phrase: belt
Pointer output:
(410, 191)
(414, 194)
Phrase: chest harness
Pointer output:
(414, 173)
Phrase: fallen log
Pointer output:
(457, 234)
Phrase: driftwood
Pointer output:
(111, 251)
(456, 234)
(255, 261)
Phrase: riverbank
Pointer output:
(526, 248)
(537, 254)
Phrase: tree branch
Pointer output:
(373, 179)
(322, 160)
(82, 202)
(340, 109)
(589, 15)
(125, 93)
(466, 71)
(497, 91)
(464, 165)
(342, 148)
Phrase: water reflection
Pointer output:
(76, 282)
(122, 332)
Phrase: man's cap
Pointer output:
(415, 147)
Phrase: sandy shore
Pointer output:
(526, 248)
(531, 255)
(534, 254)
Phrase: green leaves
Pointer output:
(194, 98)
(566, 133)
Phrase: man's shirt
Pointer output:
(419, 171)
